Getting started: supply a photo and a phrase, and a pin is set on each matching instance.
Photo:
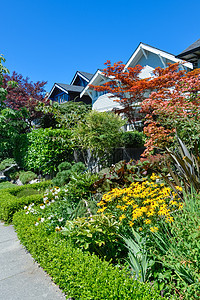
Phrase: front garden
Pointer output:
(130, 230)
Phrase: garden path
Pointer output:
(20, 277)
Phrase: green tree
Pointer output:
(100, 133)
(66, 115)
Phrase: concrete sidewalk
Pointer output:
(20, 277)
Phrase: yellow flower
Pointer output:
(101, 209)
(122, 217)
(147, 221)
(154, 229)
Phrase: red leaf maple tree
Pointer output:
(24, 94)
(166, 98)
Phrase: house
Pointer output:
(145, 55)
(62, 92)
(192, 54)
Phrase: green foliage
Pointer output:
(44, 149)
(71, 113)
(3, 70)
(78, 168)
(12, 124)
(26, 177)
(66, 115)
(64, 166)
(9, 204)
(40, 186)
(66, 171)
(14, 199)
(100, 133)
(178, 249)
(188, 167)
(80, 187)
(79, 275)
(8, 162)
(27, 192)
(98, 234)
(133, 139)
(62, 178)
(6, 185)
(137, 254)
(121, 174)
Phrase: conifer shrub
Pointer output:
(26, 177)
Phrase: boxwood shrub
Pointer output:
(11, 203)
(18, 188)
(78, 274)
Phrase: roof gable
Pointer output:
(65, 88)
(84, 76)
(161, 58)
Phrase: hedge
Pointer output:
(10, 203)
(78, 274)
(18, 188)
(43, 149)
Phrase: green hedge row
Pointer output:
(78, 274)
(37, 186)
(10, 203)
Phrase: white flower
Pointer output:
(27, 212)
(49, 218)
(56, 197)
(52, 201)
(25, 207)
(36, 224)
(42, 220)
(60, 220)
(45, 199)
(29, 208)
(42, 206)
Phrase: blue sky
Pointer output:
(51, 40)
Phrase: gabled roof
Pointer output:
(85, 75)
(133, 60)
(70, 88)
(92, 80)
(66, 88)
(190, 49)
(142, 49)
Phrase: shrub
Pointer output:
(7, 163)
(98, 234)
(79, 167)
(66, 170)
(26, 177)
(64, 166)
(133, 139)
(62, 178)
(10, 204)
(40, 186)
(80, 275)
(6, 185)
(27, 192)
(44, 149)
